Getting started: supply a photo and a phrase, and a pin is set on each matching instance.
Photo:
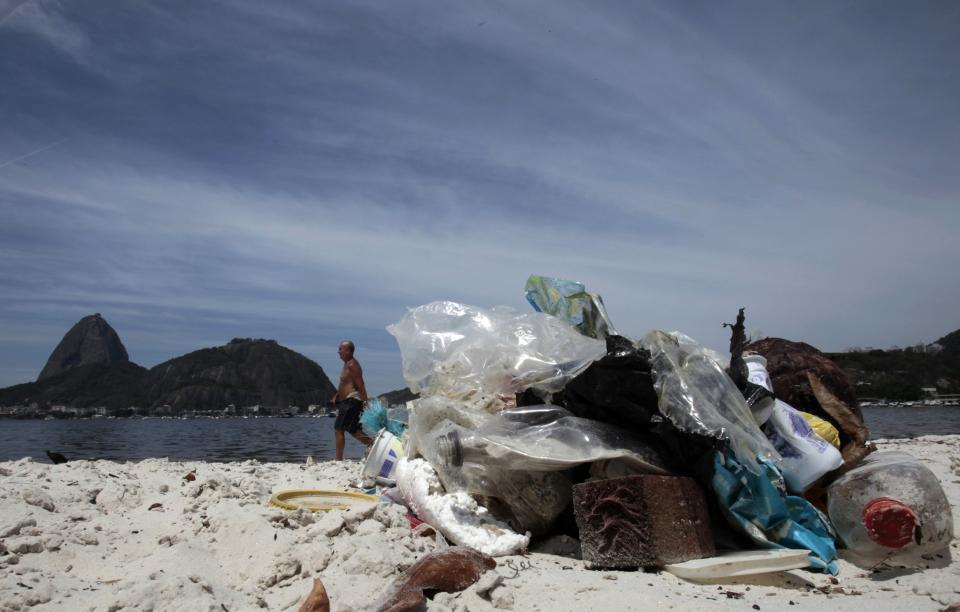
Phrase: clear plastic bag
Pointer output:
(460, 350)
(541, 438)
(698, 396)
(515, 459)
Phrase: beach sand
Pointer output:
(101, 535)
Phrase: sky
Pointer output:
(308, 171)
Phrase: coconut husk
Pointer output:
(450, 571)
(317, 600)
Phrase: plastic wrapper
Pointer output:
(570, 301)
(697, 396)
(460, 350)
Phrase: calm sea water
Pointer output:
(292, 439)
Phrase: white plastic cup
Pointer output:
(382, 459)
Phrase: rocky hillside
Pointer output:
(243, 372)
(90, 368)
(398, 396)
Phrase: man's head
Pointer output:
(345, 350)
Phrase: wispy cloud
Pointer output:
(307, 172)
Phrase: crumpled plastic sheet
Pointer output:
(698, 397)
(514, 459)
(460, 350)
(542, 438)
(570, 301)
(757, 504)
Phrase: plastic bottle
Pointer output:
(758, 375)
(890, 506)
(806, 456)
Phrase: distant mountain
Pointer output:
(90, 341)
(90, 368)
(397, 396)
(243, 372)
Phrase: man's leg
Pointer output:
(341, 442)
(362, 437)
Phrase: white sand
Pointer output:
(216, 544)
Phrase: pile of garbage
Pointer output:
(653, 452)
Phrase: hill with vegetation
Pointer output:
(903, 373)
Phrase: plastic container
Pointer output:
(890, 506)
(320, 500)
(382, 459)
(806, 456)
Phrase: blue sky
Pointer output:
(303, 171)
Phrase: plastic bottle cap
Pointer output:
(889, 522)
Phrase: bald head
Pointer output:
(345, 350)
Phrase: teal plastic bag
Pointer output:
(758, 505)
(570, 301)
(375, 418)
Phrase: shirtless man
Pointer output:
(350, 398)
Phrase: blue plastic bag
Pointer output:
(759, 506)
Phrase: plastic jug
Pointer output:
(806, 456)
(891, 505)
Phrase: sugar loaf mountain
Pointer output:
(90, 369)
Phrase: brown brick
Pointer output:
(642, 521)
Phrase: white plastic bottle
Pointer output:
(806, 456)
(890, 506)
(758, 375)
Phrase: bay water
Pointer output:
(293, 439)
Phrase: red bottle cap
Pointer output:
(889, 522)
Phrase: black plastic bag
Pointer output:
(617, 388)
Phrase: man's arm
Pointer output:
(356, 376)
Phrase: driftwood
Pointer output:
(738, 341)
(317, 600)
(450, 571)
